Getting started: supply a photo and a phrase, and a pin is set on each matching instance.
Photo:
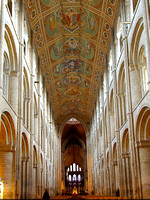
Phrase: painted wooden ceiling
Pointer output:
(72, 39)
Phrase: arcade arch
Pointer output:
(7, 154)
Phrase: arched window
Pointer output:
(71, 168)
(74, 167)
(26, 37)
(110, 66)
(119, 37)
(79, 177)
(74, 177)
(69, 177)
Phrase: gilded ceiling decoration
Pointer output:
(72, 38)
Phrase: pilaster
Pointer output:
(2, 25)
(129, 114)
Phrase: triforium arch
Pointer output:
(143, 149)
(11, 47)
(10, 68)
(138, 63)
(7, 154)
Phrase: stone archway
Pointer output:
(143, 149)
(73, 152)
(7, 155)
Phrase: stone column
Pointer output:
(27, 181)
(2, 28)
(39, 143)
(34, 182)
(20, 105)
(43, 144)
(135, 82)
(23, 178)
(28, 112)
(129, 111)
(31, 127)
(128, 175)
(36, 127)
(131, 5)
(120, 110)
(115, 186)
(59, 166)
(124, 107)
(63, 171)
(112, 125)
(124, 187)
(16, 16)
(109, 143)
(116, 111)
(89, 165)
(13, 89)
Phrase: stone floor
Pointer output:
(85, 197)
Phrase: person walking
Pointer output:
(46, 195)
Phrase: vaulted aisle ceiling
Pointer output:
(72, 38)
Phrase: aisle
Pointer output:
(77, 197)
(86, 197)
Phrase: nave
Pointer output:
(75, 98)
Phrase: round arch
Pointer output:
(7, 127)
(25, 146)
(135, 41)
(12, 47)
(141, 127)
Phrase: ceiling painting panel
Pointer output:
(72, 39)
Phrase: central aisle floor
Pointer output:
(85, 197)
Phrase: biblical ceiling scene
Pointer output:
(72, 39)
